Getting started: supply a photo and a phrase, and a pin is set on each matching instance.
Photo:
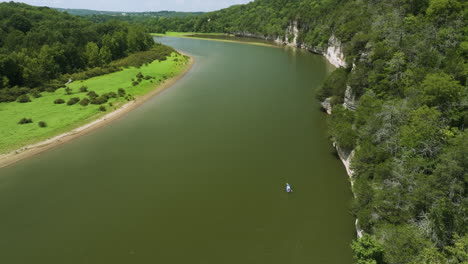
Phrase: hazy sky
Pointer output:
(138, 5)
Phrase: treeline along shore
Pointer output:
(59, 73)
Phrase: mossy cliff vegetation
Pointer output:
(399, 101)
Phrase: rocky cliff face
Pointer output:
(334, 53)
(346, 156)
(326, 105)
(350, 99)
(292, 33)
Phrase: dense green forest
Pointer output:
(40, 48)
(407, 67)
(150, 21)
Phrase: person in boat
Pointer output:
(288, 188)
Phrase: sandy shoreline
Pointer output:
(273, 45)
(33, 149)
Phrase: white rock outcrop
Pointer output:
(346, 157)
(334, 53)
(350, 99)
(294, 31)
(326, 105)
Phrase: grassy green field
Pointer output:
(61, 118)
(193, 35)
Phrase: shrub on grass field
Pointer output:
(42, 124)
(147, 77)
(139, 80)
(52, 85)
(121, 92)
(68, 90)
(24, 99)
(84, 102)
(110, 95)
(36, 93)
(59, 101)
(98, 71)
(135, 83)
(84, 89)
(139, 75)
(99, 100)
(92, 94)
(73, 101)
(25, 121)
(102, 108)
(158, 52)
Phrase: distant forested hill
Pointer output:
(39, 45)
(87, 12)
(150, 21)
(400, 104)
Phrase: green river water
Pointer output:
(195, 175)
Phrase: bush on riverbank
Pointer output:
(24, 99)
(84, 102)
(73, 101)
(121, 92)
(92, 94)
(158, 52)
(25, 121)
(59, 101)
(99, 100)
(84, 89)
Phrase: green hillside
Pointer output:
(88, 12)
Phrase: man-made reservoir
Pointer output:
(195, 175)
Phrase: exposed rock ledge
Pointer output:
(350, 99)
(326, 105)
(334, 53)
(346, 157)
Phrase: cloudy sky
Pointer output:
(138, 5)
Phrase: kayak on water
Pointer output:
(288, 188)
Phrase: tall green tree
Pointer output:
(92, 54)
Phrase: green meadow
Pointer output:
(61, 118)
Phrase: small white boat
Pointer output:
(288, 188)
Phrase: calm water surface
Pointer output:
(195, 175)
